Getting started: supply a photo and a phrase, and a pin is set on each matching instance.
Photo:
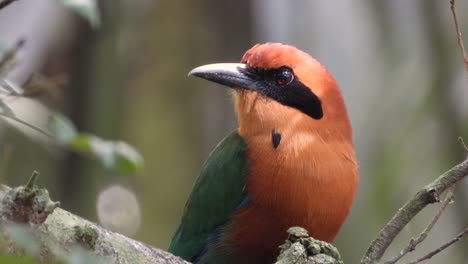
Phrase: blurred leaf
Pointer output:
(10, 87)
(61, 128)
(5, 109)
(33, 118)
(24, 114)
(86, 8)
(80, 256)
(81, 143)
(95, 146)
(8, 259)
(116, 155)
(7, 88)
(128, 159)
(23, 237)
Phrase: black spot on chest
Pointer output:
(275, 138)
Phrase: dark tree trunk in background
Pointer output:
(76, 96)
(226, 23)
(94, 102)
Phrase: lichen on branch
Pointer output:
(60, 233)
(299, 248)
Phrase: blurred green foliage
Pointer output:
(114, 155)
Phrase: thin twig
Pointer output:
(462, 142)
(37, 129)
(4, 3)
(459, 34)
(418, 240)
(441, 248)
(429, 194)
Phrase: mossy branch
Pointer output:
(302, 249)
(58, 231)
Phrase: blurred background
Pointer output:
(396, 61)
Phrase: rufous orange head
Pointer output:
(280, 86)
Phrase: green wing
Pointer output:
(217, 192)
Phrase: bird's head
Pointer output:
(279, 86)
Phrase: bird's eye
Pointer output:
(284, 76)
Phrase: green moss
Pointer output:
(86, 236)
(28, 203)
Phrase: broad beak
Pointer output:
(229, 74)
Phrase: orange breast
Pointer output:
(308, 181)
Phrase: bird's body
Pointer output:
(291, 162)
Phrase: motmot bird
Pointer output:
(291, 161)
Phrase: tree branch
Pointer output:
(429, 194)
(58, 231)
(299, 248)
(457, 238)
(459, 34)
(416, 241)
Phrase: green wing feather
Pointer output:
(217, 192)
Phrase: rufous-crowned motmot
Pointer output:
(291, 161)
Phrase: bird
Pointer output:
(290, 162)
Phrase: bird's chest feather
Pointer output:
(299, 181)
